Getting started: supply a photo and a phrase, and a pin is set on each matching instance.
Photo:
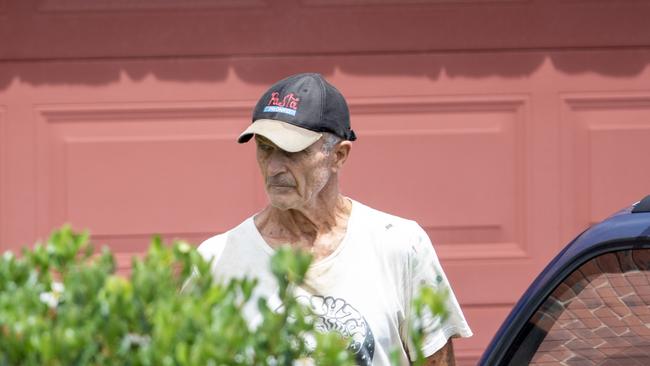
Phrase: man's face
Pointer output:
(292, 180)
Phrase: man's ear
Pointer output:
(341, 153)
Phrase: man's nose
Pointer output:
(277, 163)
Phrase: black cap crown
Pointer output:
(307, 101)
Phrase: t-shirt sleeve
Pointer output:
(211, 250)
(425, 270)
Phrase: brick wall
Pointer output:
(600, 315)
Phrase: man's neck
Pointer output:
(319, 217)
(320, 226)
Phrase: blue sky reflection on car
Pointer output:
(590, 305)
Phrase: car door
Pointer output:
(597, 315)
(590, 306)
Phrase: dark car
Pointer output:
(590, 305)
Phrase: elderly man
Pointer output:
(367, 264)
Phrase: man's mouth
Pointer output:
(280, 186)
(280, 182)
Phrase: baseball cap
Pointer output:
(295, 112)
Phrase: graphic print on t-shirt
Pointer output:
(337, 315)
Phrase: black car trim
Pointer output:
(503, 349)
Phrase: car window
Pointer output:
(599, 315)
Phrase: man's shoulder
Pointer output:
(392, 235)
(214, 246)
(384, 220)
(400, 241)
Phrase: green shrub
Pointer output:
(61, 303)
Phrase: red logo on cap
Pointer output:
(289, 101)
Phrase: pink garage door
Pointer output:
(502, 138)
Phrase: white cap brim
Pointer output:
(286, 136)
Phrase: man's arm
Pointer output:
(443, 357)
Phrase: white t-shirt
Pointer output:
(362, 290)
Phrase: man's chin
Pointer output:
(282, 201)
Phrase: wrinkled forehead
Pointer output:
(259, 139)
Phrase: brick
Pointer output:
(641, 288)
(632, 320)
(605, 332)
(570, 324)
(561, 353)
(610, 362)
(576, 281)
(581, 313)
(626, 261)
(620, 330)
(611, 351)
(616, 342)
(636, 278)
(543, 357)
(637, 340)
(565, 316)
(578, 361)
(643, 291)
(641, 258)
(598, 281)
(542, 320)
(552, 306)
(577, 304)
(641, 330)
(591, 322)
(593, 303)
(642, 351)
(591, 270)
(624, 290)
(584, 333)
(588, 293)
(629, 361)
(595, 342)
(606, 292)
(590, 353)
(617, 280)
(608, 263)
(547, 346)
(642, 311)
(645, 318)
(590, 299)
(629, 356)
(559, 335)
(636, 352)
(621, 310)
(564, 293)
(607, 316)
(577, 344)
(645, 298)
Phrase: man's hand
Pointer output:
(443, 357)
